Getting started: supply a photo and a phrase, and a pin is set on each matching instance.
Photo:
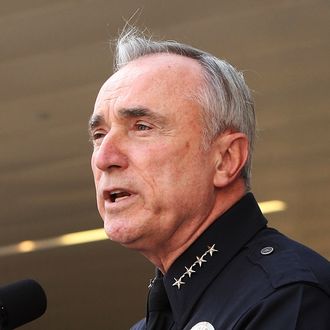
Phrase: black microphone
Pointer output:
(20, 303)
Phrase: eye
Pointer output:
(142, 127)
(96, 137)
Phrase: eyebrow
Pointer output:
(95, 121)
(138, 112)
(135, 112)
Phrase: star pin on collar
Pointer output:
(189, 271)
(178, 282)
(211, 250)
(199, 261)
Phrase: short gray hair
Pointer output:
(224, 97)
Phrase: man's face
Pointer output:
(154, 181)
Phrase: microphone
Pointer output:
(20, 303)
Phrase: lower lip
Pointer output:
(121, 204)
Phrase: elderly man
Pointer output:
(173, 131)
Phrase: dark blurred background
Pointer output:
(54, 56)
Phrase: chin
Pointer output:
(121, 234)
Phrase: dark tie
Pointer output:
(159, 315)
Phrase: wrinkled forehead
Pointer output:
(160, 75)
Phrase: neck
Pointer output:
(164, 255)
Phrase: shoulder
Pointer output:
(296, 306)
(286, 262)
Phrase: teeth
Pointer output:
(115, 192)
(118, 194)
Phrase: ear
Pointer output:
(231, 152)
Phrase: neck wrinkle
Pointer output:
(164, 257)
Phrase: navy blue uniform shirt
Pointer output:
(240, 274)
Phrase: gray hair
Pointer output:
(224, 97)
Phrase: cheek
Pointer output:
(93, 164)
(173, 165)
(97, 175)
(95, 170)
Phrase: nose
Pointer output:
(110, 153)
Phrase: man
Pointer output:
(173, 131)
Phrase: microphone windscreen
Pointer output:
(21, 302)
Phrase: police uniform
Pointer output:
(240, 274)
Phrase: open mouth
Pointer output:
(117, 195)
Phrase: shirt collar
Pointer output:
(195, 269)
